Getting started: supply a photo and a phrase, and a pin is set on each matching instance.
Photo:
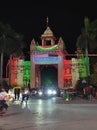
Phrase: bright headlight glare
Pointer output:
(54, 92)
(26, 92)
(12, 95)
(40, 93)
(49, 91)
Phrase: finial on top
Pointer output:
(47, 20)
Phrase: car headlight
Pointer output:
(49, 92)
(54, 92)
(40, 93)
(35, 92)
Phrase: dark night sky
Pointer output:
(65, 18)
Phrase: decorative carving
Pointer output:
(32, 45)
(61, 44)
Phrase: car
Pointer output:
(44, 92)
(48, 91)
(33, 91)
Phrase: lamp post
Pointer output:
(87, 61)
(87, 24)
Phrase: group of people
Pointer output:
(88, 92)
(4, 97)
(24, 94)
(16, 91)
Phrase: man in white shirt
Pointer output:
(3, 94)
(3, 104)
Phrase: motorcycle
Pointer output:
(25, 95)
(3, 106)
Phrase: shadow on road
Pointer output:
(11, 114)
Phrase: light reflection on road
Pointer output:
(39, 105)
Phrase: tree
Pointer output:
(10, 43)
(87, 40)
(93, 78)
(89, 34)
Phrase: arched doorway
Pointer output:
(49, 76)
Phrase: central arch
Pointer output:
(49, 76)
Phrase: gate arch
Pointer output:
(46, 54)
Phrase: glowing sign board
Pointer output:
(46, 60)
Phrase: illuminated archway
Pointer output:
(47, 54)
(49, 76)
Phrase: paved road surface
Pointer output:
(50, 114)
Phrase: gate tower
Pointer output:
(48, 52)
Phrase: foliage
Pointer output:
(89, 35)
(87, 42)
(10, 41)
(93, 78)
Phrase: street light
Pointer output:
(87, 61)
(86, 23)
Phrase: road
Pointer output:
(50, 114)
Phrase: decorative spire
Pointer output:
(47, 20)
(32, 45)
(61, 44)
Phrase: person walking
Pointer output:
(17, 93)
(90, 92)
(3, 94)
(3, 97)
